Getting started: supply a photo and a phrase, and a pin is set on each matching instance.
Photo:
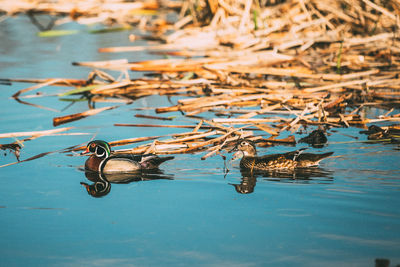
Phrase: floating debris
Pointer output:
(73, 117)
(88, 12)
(316, 138)
(14, 148)
(375, 132)
(19, 144)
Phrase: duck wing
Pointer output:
(146, 161)
(306, 159)
(264, 162)
(292, 155)
(153, 161)
(313, 157)
(287, 160)
(132, 157)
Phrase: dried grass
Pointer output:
(272, 66)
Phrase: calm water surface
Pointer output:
(346, 213)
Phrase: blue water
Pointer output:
(343, 214)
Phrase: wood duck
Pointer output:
(246, 150)
(103, 160)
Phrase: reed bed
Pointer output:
(124, 14)
(250, 69)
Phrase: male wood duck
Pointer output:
(103, 160)
(290, 160)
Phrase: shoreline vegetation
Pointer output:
(241, 69)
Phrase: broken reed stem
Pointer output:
(152, 117)
(34, 133)
(77, 116)
(161, 126)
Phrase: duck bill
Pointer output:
(85, 152)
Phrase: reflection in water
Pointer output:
(316, 139)
(304, 175)
(102, 182)
(247, 185)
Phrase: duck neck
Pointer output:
(249, 153)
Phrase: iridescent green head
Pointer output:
(100, 148)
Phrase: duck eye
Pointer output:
(243, 143)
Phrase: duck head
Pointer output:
(99, 148)
(244, 148)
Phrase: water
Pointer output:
(343, 214)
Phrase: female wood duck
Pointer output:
(104, 161)
(290, 160)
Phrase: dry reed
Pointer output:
(272, 66)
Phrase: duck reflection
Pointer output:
(101, 185)
(246, 185)
(300, 175)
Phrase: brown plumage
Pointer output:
(290, 160)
